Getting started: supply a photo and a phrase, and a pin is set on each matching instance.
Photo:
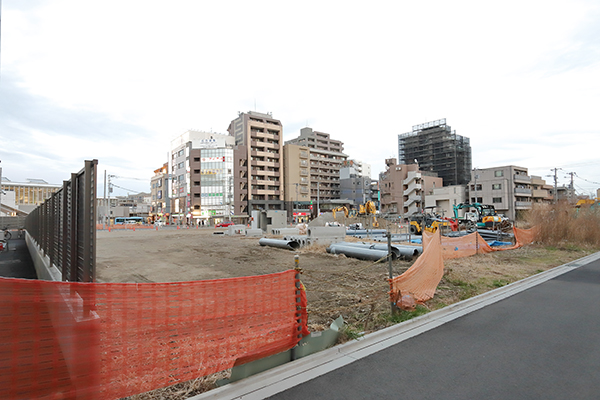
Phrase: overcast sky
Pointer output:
(117, 80)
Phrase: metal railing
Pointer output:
(64, 226)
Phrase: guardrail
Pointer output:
(64, 226)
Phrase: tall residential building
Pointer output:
(258, 164)
(326, 158)
(403, 188)
(437, 148)
(509, 189)
(297, 181)
(355, 167)
(355, 186)
(160, 202)
(201, 173)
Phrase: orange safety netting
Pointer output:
(111, 340)
(422, 278)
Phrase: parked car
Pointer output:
(223, 224)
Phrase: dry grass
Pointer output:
(183, 390)
(564, 225)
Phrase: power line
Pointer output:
(128, 190)
(583, 179)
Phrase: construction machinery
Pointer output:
(369, 209)
(427, 220)
(480, 216)
(344, 209)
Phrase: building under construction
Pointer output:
(435, 147)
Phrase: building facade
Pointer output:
(296, 165)
(403, 188)
(28, 195)
(445, 198)
(354, 187)
(509, 189)
(326, 159)
(159, 193)
(437, 148)
(257, 162)
(198, 158)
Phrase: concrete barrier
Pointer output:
(326, 234)
(44, 269)
(236, 230)
(285, 231)
(254, 232)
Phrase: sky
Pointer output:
(116, 81)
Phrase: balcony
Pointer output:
(522, 178)
(523, 191)
(522, 205)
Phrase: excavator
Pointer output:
(427, 220)
(484, 216)
(344, 209)
(369, 209)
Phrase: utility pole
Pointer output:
(555, 183)
(571, 186)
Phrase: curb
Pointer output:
(278, 379)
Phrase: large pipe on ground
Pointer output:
(358, 252)
(407, 252)
(279, 243)
(354, 232)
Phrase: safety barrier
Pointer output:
(139, 337)
(63, 227)
(422, 278)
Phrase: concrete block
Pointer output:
(236, 230)
(254, 232)
(285, 231)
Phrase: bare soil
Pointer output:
(357, 290)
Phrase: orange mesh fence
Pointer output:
(526, 236)
(422, 278)
(464, 246)
(107, 340)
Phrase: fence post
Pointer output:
(391, 274)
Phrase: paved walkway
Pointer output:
(16, 262)
(537, 338)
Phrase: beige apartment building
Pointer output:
(509, 189)
(258, 166)
(403, 188)
(326, 158)
(296, 165)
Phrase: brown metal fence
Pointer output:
(64, 226)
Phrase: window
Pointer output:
(180, 165)
(496, 186)
(196, 159)
(497, 200)
(498, 173)
(180, 152)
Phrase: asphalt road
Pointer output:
(543, 343)
(16, 261)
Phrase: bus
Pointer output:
(129, 220)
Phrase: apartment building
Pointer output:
(445, 198)
(403, 188)
(201, 176)
(258, 166)
(354, 186)
(437, 148)
(326, 159)
(296, 165)
(159, 194)
(509, 189)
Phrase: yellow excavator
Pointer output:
(338, 209)
(369, 209)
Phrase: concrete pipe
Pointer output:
(358, 252)
(279, 243)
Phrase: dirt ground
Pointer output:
(336, 285)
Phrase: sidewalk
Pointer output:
(536, 338)
(16, 262)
